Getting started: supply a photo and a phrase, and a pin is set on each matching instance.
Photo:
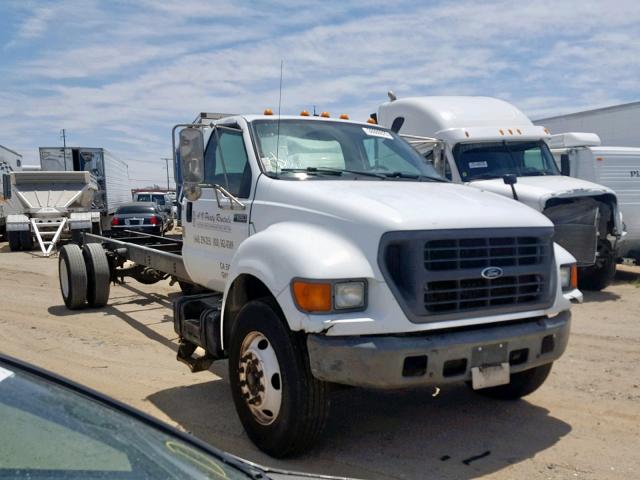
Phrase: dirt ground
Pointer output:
(583, 423)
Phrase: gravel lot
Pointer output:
(583, 423)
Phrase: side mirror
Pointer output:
(192, 154)
(511, 179)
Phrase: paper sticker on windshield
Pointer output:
(4, 374)
(376, 132)
(478, 165)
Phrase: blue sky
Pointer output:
(120, 74)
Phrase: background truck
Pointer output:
(111, 174)
(580, 155)
(328, 252)
(489, 144)
(10, 161)
(48, 206)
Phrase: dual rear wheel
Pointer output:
(84, 275)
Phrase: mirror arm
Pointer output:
(220, 190)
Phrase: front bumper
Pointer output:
(395, 361)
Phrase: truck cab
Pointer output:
(478, 141)
(334, 254)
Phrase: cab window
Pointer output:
(227, 163)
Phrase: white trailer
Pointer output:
(580, 155)
(10, 161)
(47, 206)
(489, 144)
(111, 173)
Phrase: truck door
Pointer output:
(215, 225)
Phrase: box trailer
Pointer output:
(111, 173)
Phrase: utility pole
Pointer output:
(167, 160)
(63, 135)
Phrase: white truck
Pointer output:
(10, 161)
(328, 252)
(489, 144)
(580, 155)
(111, 174)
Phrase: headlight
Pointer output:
(569, 276)
(349, 295)
(318, 296)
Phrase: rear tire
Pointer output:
(72, 274)
(14, 240)
(521, 384)
(303, 407)
(600, 275)
(98, 274)
(26, 240)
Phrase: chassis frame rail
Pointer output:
(159, 253)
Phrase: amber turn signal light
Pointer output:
(312, 296)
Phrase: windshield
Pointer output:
(49, 431)
(159, 199)
(479, 161)
(337, 149)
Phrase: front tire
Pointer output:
(598, 276)
(281, 405)
(72, 274)
(521, 384)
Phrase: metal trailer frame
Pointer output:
(163, 254)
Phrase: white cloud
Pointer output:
(124, 72)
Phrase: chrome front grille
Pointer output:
(456, 254)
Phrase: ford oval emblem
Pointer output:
(491, 273)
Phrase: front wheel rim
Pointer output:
(260, 378)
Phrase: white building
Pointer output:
(616, 125)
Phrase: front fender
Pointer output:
(288, 250)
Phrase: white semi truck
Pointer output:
(580, 155)
(489, 144)
(327, 251)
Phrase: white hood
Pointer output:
(536, 191)
(394, 205)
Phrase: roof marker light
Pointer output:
(268, 111)
(547, 131)
(501, 132)
(344, 116)
(304, 113)
(372, 121)
(325, 115)
(466, 134)
(510, 132)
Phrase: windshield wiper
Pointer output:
(334, 171)
(484, 176)
(414, 176)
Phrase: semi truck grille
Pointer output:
(439, 275)
(455, 254)
(468, 293)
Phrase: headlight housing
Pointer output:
(328, 296)
(568, 276)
